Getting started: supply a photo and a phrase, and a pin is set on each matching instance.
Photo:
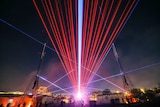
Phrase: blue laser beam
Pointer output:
(127, 19)
(53, 84)
(60, 78)
(19, 30)
(119, 74)
(31, 37)
(64, 88)
(80, 21)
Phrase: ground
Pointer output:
(148, 104)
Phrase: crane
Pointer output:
(126, 81)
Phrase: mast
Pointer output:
(124, 77)
(36, 82)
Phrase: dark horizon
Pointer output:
(137, 45)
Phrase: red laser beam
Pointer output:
(102, 21)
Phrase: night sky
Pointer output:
(138, 45)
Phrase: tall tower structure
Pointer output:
(126, 81)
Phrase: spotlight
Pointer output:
(79, 96)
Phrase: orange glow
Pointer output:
(16, 101)
(134, 100)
